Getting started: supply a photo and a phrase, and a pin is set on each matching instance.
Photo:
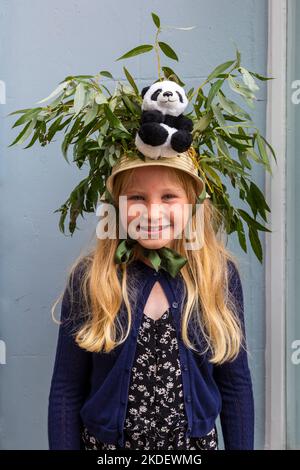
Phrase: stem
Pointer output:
(156, 47)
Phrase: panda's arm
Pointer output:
(152, 116)
(183, 123)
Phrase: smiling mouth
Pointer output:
(153, 229)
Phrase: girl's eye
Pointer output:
(168, 196)
(134, 197)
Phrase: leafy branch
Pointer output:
(99, 126)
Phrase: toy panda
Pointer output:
(164, 131)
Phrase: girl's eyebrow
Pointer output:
(136, 190)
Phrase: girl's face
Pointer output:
(157, 207)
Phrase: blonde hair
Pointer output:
(208, 303)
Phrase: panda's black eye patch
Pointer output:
(180, 97)
(154, 95)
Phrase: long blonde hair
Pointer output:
(206, 284)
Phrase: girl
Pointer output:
(151, 346)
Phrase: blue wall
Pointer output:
(41, 43)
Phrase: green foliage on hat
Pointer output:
(98, 126)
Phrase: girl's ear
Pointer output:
(144, 91)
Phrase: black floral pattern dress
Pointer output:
(155, 417)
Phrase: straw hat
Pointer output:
(183, 161)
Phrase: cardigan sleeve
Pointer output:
(71, 372)
(234, 382)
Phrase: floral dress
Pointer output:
(155, 417)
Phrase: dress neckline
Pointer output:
(152, 320)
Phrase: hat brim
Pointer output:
(181, 161)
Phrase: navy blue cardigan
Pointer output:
(92, 388)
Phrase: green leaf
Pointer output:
(136, 51)
(27, 116)
(131, 81)
(171, 75)
(244, 160)
(213, 91)
(238, 57)
(106, 73)
(240, 89)
(263, 153)
(19, 111)
(115, 122)
(100, 98)
(203, 122)
(219, 69)
(22, 133)
(215, 177)
(261, 77)
(91, 114)
(251, 152)
(255, 243)
(133, 108)
(220, 118)
(248, 79)
(270, 147)
(34, 138)
(79, 98)
(222, 147)
(252, 222)
(57, 90)
(241, 235)
(202, 196)
(231, 107)
(156, 20)
(167, 50)
(27, 132)
(53, 128)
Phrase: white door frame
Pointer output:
(275, 356)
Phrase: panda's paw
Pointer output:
(153, 134)
(152, 116)
(181, 141)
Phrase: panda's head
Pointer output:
(165, 96)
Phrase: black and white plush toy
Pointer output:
(164, 131)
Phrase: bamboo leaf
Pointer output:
(79, 98)
(232, 108)
(248, 79)
(171, 75)
(263, 153)
(100, 98)
(240, 89)
(19, 137)
(203, 122)
(114, 120)
(156, 20)
(213, 91)
(131, 81)
(252, 222)
(107, 74)
(255, 243)
(167, 50)
(220, 118)
(27, 116)
(241, 235)
(219, 69)
(62, 86)
(136, 51)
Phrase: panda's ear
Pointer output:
(144, 91)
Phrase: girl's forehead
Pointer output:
(153, 174)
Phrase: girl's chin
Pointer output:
(154, 244)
